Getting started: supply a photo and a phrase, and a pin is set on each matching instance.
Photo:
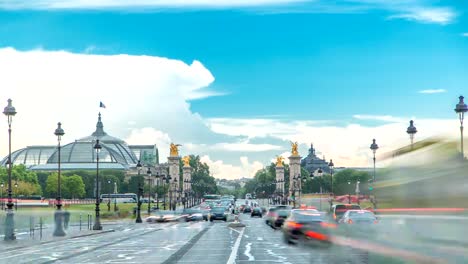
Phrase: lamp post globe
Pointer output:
(97, 223)
(140, 191)
(411, 130)
(9, 111)
(59, 215)
(461, 108)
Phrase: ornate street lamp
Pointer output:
(59, 231)
(411, 132)
(9, 111)
(140, 191)
(461, 108)
(374, 147)
(97, 223)
(331, 167)
(149, 173)
(157, 189)
(175, 191)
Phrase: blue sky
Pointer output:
(329, 61)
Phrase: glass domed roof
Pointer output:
(79, 151)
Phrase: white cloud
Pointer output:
(147, 136)
(347, 145)
(464, 34)
(228, 171)
(106, 4)
(427, 15)
(51, 86)
(386, 118)
(432, 91)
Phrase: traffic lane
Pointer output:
(104, 247)
(216, 245)
(261, 243)
(148, 247)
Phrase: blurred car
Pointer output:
(309, 227)
(247, 209)
(191, 214)
(218, 213)
(257, 211)
(338, 210)
(276, 215)
(359, 223)
(164, 216)
(241, 208)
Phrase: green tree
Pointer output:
(74, 187)
(52, 185)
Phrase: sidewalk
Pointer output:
(25, 238)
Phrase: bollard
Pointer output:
(40, 228)
(80, 221)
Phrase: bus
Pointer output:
(211, 197)
(119, 197)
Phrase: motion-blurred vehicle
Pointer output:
(307, 226)
(191, 214)
(218, 213)
(338, 210)
(276, 215)
(247, 209)
(164, 216)
(257, 211)
(359, 217)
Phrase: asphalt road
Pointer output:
(206, 242)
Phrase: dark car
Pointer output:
(247, 209)
(191, 214)
(218, 213)
(309, 227)
(257, 211)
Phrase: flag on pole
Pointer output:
(101, 105)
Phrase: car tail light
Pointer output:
(350, 221)
(376, 221)
(328, 225)
(316, 235)
(294, 225)
(334, 216)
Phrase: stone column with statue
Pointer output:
(294, 174)
(280, 180)
(187, 176)
(174, 172)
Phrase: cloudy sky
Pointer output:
(235, 80)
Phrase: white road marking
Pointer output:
(235, 230)
(248, 247)
(235, 249)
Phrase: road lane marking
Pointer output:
(235, 249)
(235, 230)
(248, 247)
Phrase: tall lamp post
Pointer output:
(461, 108)
(59, 216)
(148, 172)
(374, 147)
(9, 111)
(411, 132)
(140, 190)
(1, 194)
(97, 223)
(109, 182)
(330, 167)
(157, 190)
(175, 194)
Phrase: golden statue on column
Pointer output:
(294, 151)
(186, 161)
(279, 161)
(175, 150)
